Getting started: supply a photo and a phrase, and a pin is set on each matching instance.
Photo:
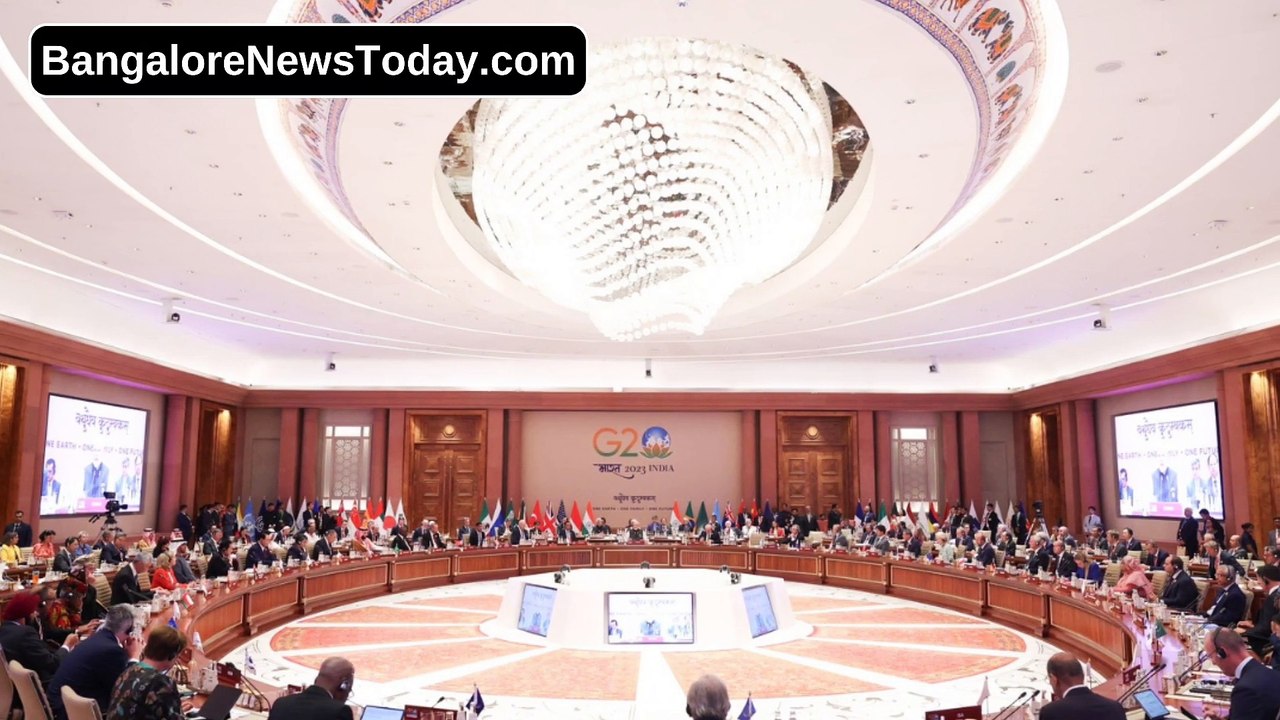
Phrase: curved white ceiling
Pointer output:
(108, 207)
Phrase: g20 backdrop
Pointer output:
(632, 464)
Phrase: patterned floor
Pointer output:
(869, 657)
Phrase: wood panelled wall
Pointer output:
(446, 454)
(1262, 457)
(11, 377)
(816, 460)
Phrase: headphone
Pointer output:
(1217, 648)
(345, 686)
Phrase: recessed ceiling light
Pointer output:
(1057, 199)
(237, 193)
(1110, 66)
(387, 162)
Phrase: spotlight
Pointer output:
(648, 582)
(170, 315)
(565, 569)
(724, 568)
(648, 368)
(644, 565)
(329, 364)
(933, 366)
(559, 577)
(735, 578)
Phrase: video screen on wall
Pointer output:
(649, 618)
(535, 609)
(1167, 460)
(759, 610)
(91, 448)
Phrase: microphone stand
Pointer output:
(1017, 702)
(1140, 684)
(1204, 657)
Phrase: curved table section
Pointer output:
(1068, 619)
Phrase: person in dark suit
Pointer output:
(1189, 533)
(991, 521)
(521, 532)
(66, 556)
(1208, 525)
(21, 640)
(1065, 560)
(92, 670)
(1180, 593)
(297, 551)
(124, 586)
(1229, 607)
(324, 546)
(1152, 556)
(323, 700)
(1217, 556)
(808, 522)
(260, 553)
(1038, 555)
(710, 534)
(1258, 633)
(1018, 524)
(1072, 698)
(211, 540)
(984, 553)
(1256, 695)
(834, 517)
(21, 528)
(109, 553)
(221, 562)
(185, 526)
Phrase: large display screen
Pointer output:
(535, 609)
(1167, 460)
(656, 618)
(759, 610)
(91, 448)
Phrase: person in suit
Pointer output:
(1217, 556)
(1128, 542)
(1210, 526)
(984, 553)
(963, 541)
(109, 553)
(1256, 695)
(1038, 557)
(834, 516)
(1087, 568)
(1188, 533)
(1180, 593)
(66, 555)
(1064, 560)
(1152, 556)
(20, 527)
(210, 542)
(991, 521)
(1092, 521)
(124, 586)
(260, 553)
(1257, 634)
(808, 522)
(21, 640)
(221, 562)
(1164, 483)
(185, 526)
(1005, 542)
(521, 533)
(96, 476)
(881, 542)
(1072, 698)
(324, 546)
(92, 670)
(325, 699)
(1018, 525)
(711, 534)
(1229, 607)
(1273, 537)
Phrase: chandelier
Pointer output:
(685, 170)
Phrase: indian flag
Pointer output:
(676, 520)
(589, 519)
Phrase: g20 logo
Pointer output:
(654, 442)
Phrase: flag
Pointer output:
(1026, 518)
(1159, 630)
(249, 667)
(476, 703)
(767, 516)
(923, 520)
(755, 510)
(1008, 518)
(883, 512)
(748, 710)
(933, 514)
(858, 513)
(196, 642)
(173, 622)
(248, 520)
(742, 511)
(588, 520)
(702, 514)
(986, 692)
(561, 515)
(298, 525)
(688, 511)
(356, 518)
(575, 519)
(676, 520)
(535, 517)
(485, 516)
(499, 520)
(522, 514)
(389, 516)
(400, 509)
(549, 519)
(511, 512)
(316, 508)
(715, 513)
(973, 512)
(288, 509)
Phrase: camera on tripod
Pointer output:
(113, 506)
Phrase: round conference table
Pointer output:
(1090, 628)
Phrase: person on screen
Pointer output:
(1164, 483)
(614, 630)
(129, 481)
(708, 699)
(96, 476)
(1072, 698)
(1194, 483)
(1212, 482)
(1126, 490)
(50, 487)
(325, 699)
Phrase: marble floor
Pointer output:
(869, 656)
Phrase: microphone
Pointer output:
(437, 701)
(1141, 683)
(1199, 663)
(1016, 703)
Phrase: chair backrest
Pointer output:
(80, 708)
(144, 581)
(1112, 575)
(1159, 579)
(1202, 587)
(104, 589)
(26, 554)
(999, 558)
(6, 689)
(34, 704)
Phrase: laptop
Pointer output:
(219, 703)
(378, 712)
(1151, 705)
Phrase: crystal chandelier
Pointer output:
(683, 171)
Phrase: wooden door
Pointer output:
(445, 479)
(814, 477)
